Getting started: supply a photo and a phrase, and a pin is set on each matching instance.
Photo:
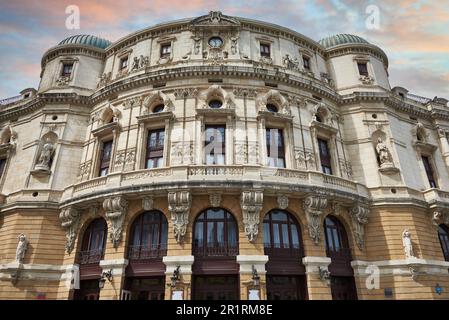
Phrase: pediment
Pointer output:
(215, 18)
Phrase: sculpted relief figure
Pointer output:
(407, 242)
(382, 151)
(21, 248)
(45, 156)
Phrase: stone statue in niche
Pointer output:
(136, 64)
(234, 44)
(407, 243)
(45, 156)
(383, 152)
(21, 248)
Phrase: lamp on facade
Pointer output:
(105, 275)
(255, 277)
(175, 277)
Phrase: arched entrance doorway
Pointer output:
(215, 247)
(145, 273)
(88, 258)
(282, 243)
(337, 248)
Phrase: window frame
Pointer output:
(429, 170)
(162, 54)
(101, 161)
(281, 149)
(206, 143)
(365, 72)
(263, 53)
(323, 158)
(444, 243)
(158, 150)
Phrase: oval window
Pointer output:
(215, 42)
(272, 108)
(158, 108)
(215, 104)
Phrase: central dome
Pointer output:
(340, 39)
(87, 40)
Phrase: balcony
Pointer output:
(90, 256)
(147, 252)
(224, 250)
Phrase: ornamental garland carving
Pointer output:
(115, 208)
(359, 216)
(70, 221)
(346, 168)
(182, 152)
(179, 204)
(314, 206)
(305, 160)
(251, 203)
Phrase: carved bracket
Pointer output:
(440, 217)
(179, 204)
(70, 221)
(115, 208)
(314, 206)
(359, 215)
(251, 203)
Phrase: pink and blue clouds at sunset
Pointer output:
(413, 33)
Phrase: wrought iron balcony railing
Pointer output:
(147, 252)
(90, 256)
(223, 250)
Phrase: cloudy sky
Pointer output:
(413, 33)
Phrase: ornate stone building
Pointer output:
(222, 158)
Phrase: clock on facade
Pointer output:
(215, 42)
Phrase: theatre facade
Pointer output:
(222, 158)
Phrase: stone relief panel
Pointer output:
(179, 204)
(251, 203)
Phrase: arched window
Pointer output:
(337, 248)
(149, 233)
(281, 234)
(94, 240)
(215, 234)
(443, 234)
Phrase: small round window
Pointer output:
(158, 108)
(215, 104)
(272, 108)
(215, 42)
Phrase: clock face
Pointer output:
(215, 42)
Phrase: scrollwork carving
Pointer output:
(251, 203)
(359, 215)
(115, 208)
(179, 204)
(314, 206)
(70, 220)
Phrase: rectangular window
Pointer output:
(67, 69)
(215, 144)
(429, 171)
(325, 157)
(306, 63)
(165, 50)
(155, 149)
(363, 68)
(2, 166)
(124, 63)
(265, 50)
(275, 148)
(105, 157)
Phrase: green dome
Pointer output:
(86, 40)
(340, 39)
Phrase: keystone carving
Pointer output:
(179, 204)
(359, 216)
(282, 201)
(251, 203)
(215, 200)
(70, 221)
(115, 208)
(314, 206)
(147, 203)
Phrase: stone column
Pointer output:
(112, 289)
(249, 263)
(318, 277)
(183, 266)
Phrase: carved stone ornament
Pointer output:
(407, 243)
(367, 79)
(440, 217)
(359, 216)
(115, 208)
(43, 163)
(282, 201)
(215, 200)
(304, 160)
(314, 206)
(22, 247)
(383, 153)
(63, 81)
(70, 221)
(179, 204)
(147, 203)
(291, 63)
(251, 203)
